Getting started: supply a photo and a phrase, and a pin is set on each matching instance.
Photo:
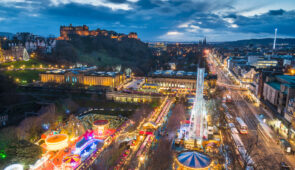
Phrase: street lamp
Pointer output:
(141, 158)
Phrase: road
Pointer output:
(134, 84)
(267, 153)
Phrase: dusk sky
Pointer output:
(155, 20)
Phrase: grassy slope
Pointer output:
(100, 59)
(24, 75)
(28, 64)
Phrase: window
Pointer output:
(67, 79)
(74, 79)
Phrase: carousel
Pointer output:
(192, 160)
(56, 142)
(71, 161)
(100, 127)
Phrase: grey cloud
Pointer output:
(276, 12)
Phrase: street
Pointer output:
(267, 153)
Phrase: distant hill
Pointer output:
(103, 51)
(260, 42)
(6, 34)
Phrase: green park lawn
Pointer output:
(23, 76)
(32, 63)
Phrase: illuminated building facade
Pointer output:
(90, 78)
(66, 32)
(15, 53)
(178, 79)
(172, 82)
(133, 35)
(265, 63)
(131, 98)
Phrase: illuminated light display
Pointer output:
(56, 142)
(99, 126)
(14, 167)
(71, 161)
(191, 160)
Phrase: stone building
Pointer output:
(15, 53)
(278, 90)
(66, 32)
(178, 79)
(87, 78)
(133, 35)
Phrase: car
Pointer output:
(284, 166)
(285, 145)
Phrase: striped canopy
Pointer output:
(194, 159)
(72, 159)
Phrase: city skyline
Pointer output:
(162, 20)
(147, 84)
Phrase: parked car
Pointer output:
(285, 145)
(284, 166)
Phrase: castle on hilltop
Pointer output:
(66, 32)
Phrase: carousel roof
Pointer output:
(56, 138)
(194, 159)
(71, 159)
(100, 122)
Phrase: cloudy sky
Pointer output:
(154, 20)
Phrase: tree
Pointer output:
(21, 151)
(74, 127)
(178, 115)
(7, 91)
(140, 113)
(29, 129)
(109, 157)
(216, 112)
(7, 136)
(64, 52)
(161, 157)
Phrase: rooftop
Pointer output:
(275, 85)
(287, 79)
(171, 73)
(84, 70)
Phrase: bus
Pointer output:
(243, 128)
(244, 157)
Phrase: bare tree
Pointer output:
(74, 127)
(29, 129)
(108, 157)
(71, 105)
(140, 114)
(161, 157)
(178, 115)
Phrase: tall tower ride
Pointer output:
(197, 129)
